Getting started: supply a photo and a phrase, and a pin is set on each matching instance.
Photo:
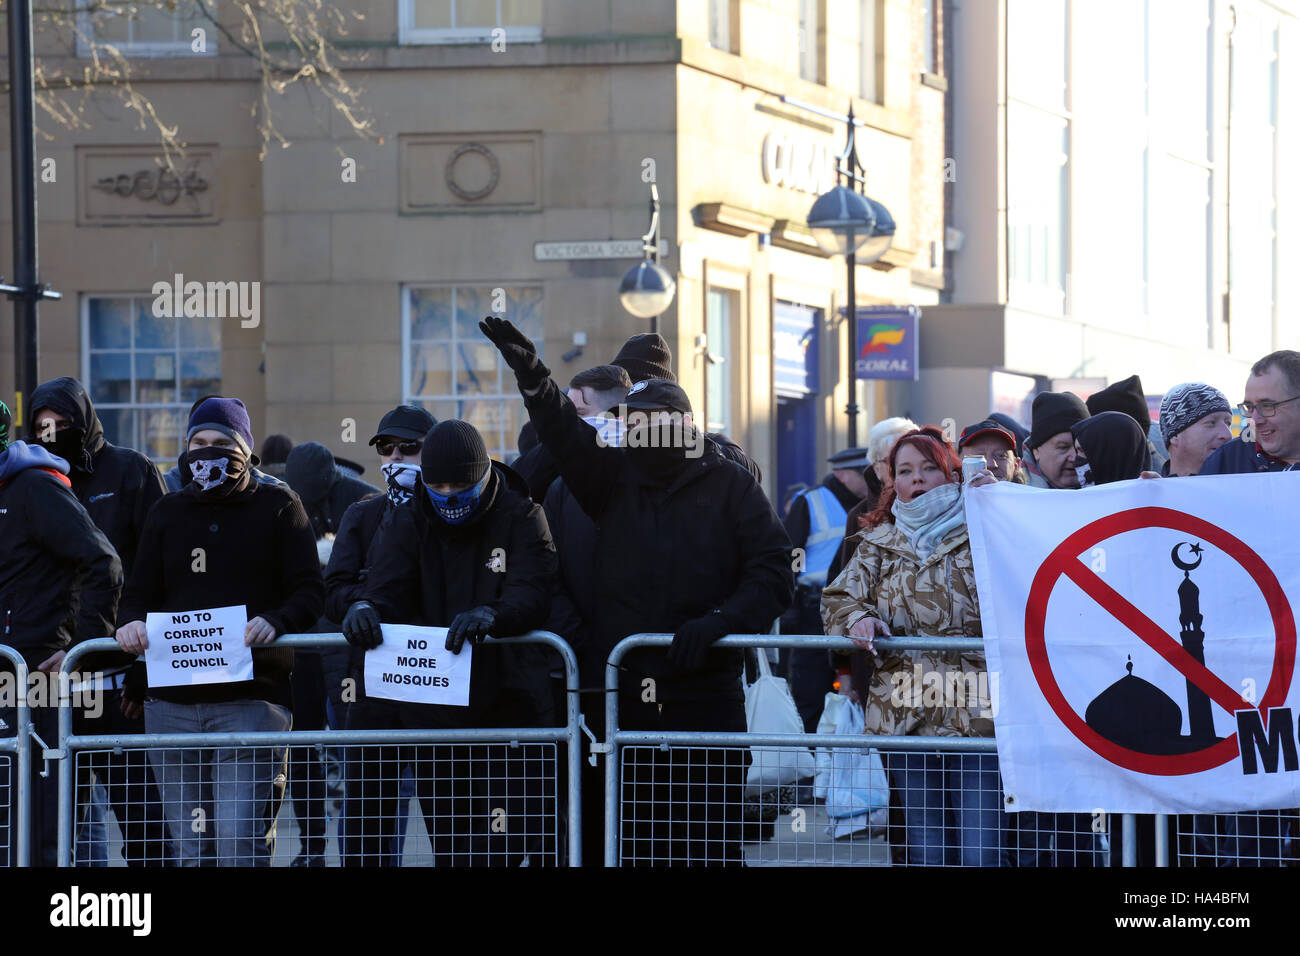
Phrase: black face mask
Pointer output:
(659, 451)
(216, 472)
(68, 444)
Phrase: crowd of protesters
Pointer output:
(620, 516)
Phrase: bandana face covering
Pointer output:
(216, 471)
(457, 508)
(401, 477)
(1083, 470)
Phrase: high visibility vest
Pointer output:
(826, 518)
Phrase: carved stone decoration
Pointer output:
(161, 184)
(470, 172)
(120, 185)
(494, 172)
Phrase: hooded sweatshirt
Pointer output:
(116, 485)
(326, 490)
(1114, 445)
(59, 577)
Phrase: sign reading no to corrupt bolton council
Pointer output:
(1144, 634)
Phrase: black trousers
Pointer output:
(483, 804)
(128, 781)
(306, 772)
(683, 806)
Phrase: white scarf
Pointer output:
(930, 517)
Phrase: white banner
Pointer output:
(1142, 638)
(197, 647)
(413, 664)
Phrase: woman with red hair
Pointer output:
(911, 574)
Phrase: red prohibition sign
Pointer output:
(1064, 561)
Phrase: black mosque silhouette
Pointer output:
(1139, 716)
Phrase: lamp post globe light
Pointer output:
(841, 221)
(844, 222)
(647, 288)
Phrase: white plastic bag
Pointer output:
(858, 795)
(769, 709)
(826, 725)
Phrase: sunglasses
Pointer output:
(408, 447)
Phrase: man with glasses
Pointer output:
(1271, 439)
(398, 441)
(997, 446)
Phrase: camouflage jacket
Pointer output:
(929, 693)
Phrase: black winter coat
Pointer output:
(573, 606)
(258, 551)
(424, 572)
(59, 576)
(708, 542)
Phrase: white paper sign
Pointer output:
(414, 665)
(197, 647)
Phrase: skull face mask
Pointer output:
(216, 470)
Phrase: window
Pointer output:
(1179, 175)
(453, 371)
(723, 306)
(720, 31)
(1038, 154)
(148, 30)
(810, 40)
(929, 35)
(1252, 232)
(870, 52)
(144, 372)
(469, 21)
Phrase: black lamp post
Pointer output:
(845, 222)
(26, 290)
(647, 288)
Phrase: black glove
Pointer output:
(517, 350)
(473, 624)
(361, 626)
(693, 640)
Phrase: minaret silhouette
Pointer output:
(1199, 716)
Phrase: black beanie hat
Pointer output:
(454, 454)
(646, 356)
(1054, 412)
(1127, 397)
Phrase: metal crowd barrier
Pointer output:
(667, 800)
(15, 767)
(458, 765)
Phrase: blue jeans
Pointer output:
(218, 802)
(952, 805)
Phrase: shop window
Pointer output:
(469, 21)
(144, 372)
(453, 371)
